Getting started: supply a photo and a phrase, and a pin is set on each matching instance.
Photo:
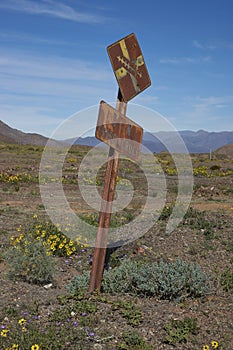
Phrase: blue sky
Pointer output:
(53, 59)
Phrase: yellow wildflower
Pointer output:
(206, 347)
(214, 344)
(35, 347)
(4, 332)
(22, 321)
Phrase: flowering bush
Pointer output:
(50, 236)
(30, 255)
(29, 261)
(7, 177)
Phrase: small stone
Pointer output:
(98, 347)
(47, 286)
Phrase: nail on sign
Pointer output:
(129, 66)
(118, 131)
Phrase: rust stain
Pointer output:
(118, 131)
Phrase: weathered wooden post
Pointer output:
(113, 125)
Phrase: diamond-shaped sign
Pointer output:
(129, 66)
(118, 131)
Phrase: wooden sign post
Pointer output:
(113, 127)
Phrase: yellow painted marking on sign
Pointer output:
(121, 72)
(135, 83)
(139, 61)
(129, 68)
(124, 49)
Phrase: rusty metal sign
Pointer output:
(118, 131)
(129, 66)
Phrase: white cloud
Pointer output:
(50, 8)
(181, 60)
(50, 67)
(209, 113)
(12, 37)
(211, 102)
(145, 99)
(35, 89)
(197, 44)
(218, 45)
(63, 85)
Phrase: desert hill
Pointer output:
(226, 150)
(10, 135)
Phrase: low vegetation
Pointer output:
(160, 291)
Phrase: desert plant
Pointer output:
(128, 311)
(175, 280)
(30, 262)
(79, 284)
(226, 280)
(215, 167)
(199, 220)
(178, 331)
(133, 341)
(29, 332)
(50, 236)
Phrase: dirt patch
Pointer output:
(214, 206)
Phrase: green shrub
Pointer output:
(79, 283)
(30, 262)
(198, 220)
(121, 279)
(175, 280)
(128, 311)
(166, 212)
(215, 167)
(133, 341)
(178, 331)
(227, 280)
(117, 220)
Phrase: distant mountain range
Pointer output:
(200, 141)
(196, 141)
